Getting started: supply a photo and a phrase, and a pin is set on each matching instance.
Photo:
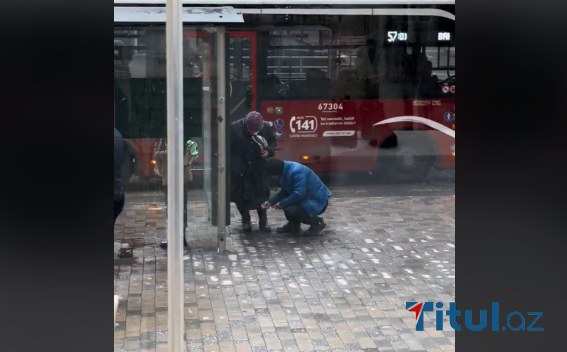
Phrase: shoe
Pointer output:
(246, 227)
(317, 225)
(264, 227)
(263, 222)
(163, 244)
(292, 228)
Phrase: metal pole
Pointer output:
(221, 111)
(175, 226)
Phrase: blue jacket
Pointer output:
(300, 185)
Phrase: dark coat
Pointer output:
(249, 184)
(119, 155)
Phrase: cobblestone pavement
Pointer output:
(343, 290)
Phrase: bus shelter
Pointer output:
(181, 22)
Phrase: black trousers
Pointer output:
(118, 207)
(296, 214)
(185, 192)
(244, 212)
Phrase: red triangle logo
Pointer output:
(417, 309)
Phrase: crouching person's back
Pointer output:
(303, 196)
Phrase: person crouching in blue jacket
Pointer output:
(303, 196)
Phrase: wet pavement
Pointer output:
(343, 290)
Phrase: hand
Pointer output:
(266, 205)
(264, 154)
(277, 206)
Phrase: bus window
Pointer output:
(388, 57)
(296, 56)
(240, 95)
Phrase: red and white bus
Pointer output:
(347, 85)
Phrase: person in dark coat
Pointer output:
(119, 155)
(252, 142)
(303, 196)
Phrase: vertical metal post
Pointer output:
(221, 119)
(175, 226)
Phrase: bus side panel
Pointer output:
(344, 135)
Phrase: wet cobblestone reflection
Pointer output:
(343, 290)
